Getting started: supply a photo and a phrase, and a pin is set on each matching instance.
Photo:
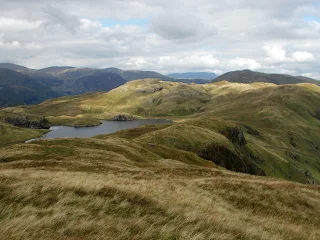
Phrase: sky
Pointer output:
(280, 36)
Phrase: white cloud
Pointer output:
(245, 63)
(279, 55)
(303, 57)
(276, 54)
(14, 24)
(196, 35)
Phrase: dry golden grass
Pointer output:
(107, 189)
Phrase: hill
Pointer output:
(60, 81)
(99, 81)
(247, 76)
(130, 75)
(19, 89)
(258, 128)
(15, 67)
(68, 80)
(193, 75)
(168, 181)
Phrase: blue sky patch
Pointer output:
(311, 18)
(112, 22)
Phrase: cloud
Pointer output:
(57, 17)
(14, 24)
(245, 63)
(303, 57)
(278, 55)
(177, 26)
(177, 36)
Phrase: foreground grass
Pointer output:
(112, 188)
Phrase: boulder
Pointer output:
(27, 123)
(122, 117)
(235, 135)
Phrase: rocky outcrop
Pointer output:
(27, 123)
(316, 114)
(123, 117)
(224, 157)
(150, 89)
(235, 135)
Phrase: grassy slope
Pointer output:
(150, 183)
(10, 134)
(282, 135)
(113, 188)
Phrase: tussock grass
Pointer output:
(162, 201)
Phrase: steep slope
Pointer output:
(71, 81)
(247, 76)
(55, 71)
(15, 67)
(193, 75)
(16, 89)
(270, 129)
(130, 75)
(99, 81)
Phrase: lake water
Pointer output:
(105, 128)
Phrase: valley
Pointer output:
(160, 120)
(244, 153)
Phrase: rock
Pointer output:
(316, 114)
(307, 173)
(122, 117)
(226, 158)
(150, 89)
(252, 131)
(235, 135)
(26, 123)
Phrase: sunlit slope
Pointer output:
(157, 98)
(280, 124)
(18, 125)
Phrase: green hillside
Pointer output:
(248, 76)
(259, 128)
(167, 181)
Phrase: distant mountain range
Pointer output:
(17, 89)
(193, 75)
(247, 76)
(20, 85)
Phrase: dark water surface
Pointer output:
(105, 128)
